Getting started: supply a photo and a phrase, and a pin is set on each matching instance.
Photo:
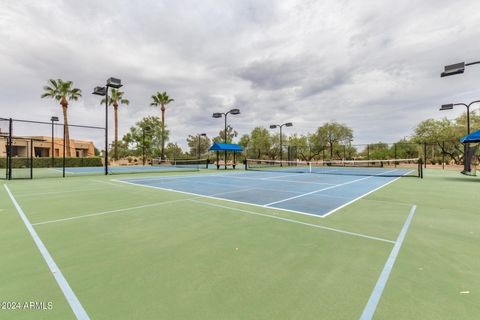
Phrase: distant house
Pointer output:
(42, 147)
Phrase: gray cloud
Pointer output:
(373, 65)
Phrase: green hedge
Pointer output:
(47, 162)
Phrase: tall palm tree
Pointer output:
(116, 97)
(161, 99)
(63, 92)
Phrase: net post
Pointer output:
(420, 168)
(310, 167)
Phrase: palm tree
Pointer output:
(161, 99)
(116, 97)
(63, 92)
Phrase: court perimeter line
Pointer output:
(217, 198)
(360, 197)
(293, 221)
(126, 209)
(72, 299)
(107, 212)
(371, 306)
(323, 189)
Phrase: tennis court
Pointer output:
(207, 245)
(282, 188)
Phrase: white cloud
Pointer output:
(373, 65)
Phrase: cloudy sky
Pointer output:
(373, 65)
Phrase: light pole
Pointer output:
(456, 68)
(219, 115)
(53, 119)
(273, 126)
(450, 106)
(143, 143)
(103, 91)
(198, 149)
(451, 70)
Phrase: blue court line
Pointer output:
(72, 299)
(382, 280)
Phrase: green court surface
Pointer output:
(130, 252)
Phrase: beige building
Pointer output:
(42, 147)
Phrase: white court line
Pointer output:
(72, 299)
(285, 180)
(22, 195)
(323, 189)
(107, 212)
(283, 175)
(251, 188)
(372, 303)
(360, 197)
(127, 209)
(216, 198)
(294, 221)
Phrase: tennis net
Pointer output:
(185, 164)
(382, 168)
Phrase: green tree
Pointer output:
(116, 97)
(404, 149)
(196, 149)
(174, 151)
(334, 133)
(461, 123)
(378, 151)
(244, 142)
(231, 134)
(444, 134)
(260, 142)
(306, 147)
(62, 91)
(147, 134)
(161, 99)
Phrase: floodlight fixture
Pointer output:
(100, 91)
(53, 119)
(217, 115)
(203, 134)
(453, 69)
(114, 83)
(234, 111)
(448, 106)
(273, 126)
(288, 124)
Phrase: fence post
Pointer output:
(443, 155)
(10, 148)
(64, 150)
(368, 154)
(395, 154)
(425, 155)
(31, 158)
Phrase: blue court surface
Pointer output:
(305, 193)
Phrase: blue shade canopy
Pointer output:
(225, 147)
(472, 137)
